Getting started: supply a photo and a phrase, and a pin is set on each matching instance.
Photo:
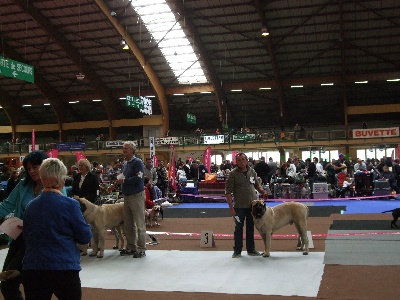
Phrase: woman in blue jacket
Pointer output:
(53, 225)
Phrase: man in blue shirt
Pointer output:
(134, 199)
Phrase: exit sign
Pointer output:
(16, 69)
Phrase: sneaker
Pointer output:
(139, 254)
(254, 253)
(126, 252)
(236, 255)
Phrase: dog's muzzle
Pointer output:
(258, 211)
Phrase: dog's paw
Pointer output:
(265, 254)
(99, 256)
(83, 253)
(299, 248)
(115, 247)
(93, 254)
(305, 253)
(158, 224)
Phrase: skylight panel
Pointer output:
(172, 41)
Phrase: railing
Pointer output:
(267, 136)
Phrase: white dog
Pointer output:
(152, 214)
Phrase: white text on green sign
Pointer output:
(16, 69)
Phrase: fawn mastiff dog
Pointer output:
(101, 218)
(269, 219)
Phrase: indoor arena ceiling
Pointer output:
(251, 80)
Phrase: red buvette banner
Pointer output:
(375, 133)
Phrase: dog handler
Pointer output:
(134, 198)
(242, 184)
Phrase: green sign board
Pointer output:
(16, 69)
(190, 118)
(133, 101)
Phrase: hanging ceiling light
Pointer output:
(264, 31)
(124, 45)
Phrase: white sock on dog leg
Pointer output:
(310, 240)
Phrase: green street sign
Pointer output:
(191, 118)
(133, 101)
(16, 69)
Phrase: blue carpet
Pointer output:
(352, 206)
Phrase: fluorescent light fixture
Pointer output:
(296, 86)
(46, 104)
(236, 90)
(331, 83)
(179, 94)
(170, 38)
(361, 82)
(205, 92)
(73, 102)
(396, 79)
(97, 100)
(265, 88)
(26, 105)
(1, 106)
(150, 96)
(122, 98)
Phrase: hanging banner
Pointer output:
(152, 148)
(155, 161)
(172, 169)
(234, 153)
(207, 158)
(33, 148)
(79, 156)
(53, 153)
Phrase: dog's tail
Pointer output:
(386, 211)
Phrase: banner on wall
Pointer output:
(214, 139)
(375, 133)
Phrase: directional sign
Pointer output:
(16, 69)
(133, 101)
(191, 118)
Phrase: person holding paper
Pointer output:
(27, 189)
(53, 225)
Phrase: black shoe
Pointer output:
(254, 253)
(126, 252)
(139, 254)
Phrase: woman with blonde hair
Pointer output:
(53, 225)
(86, 184)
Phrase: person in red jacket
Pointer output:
(148, 189)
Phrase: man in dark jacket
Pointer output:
(262, 170)
(198, 171)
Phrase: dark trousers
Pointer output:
(13, 261)
(244, 214)
(42, 284)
